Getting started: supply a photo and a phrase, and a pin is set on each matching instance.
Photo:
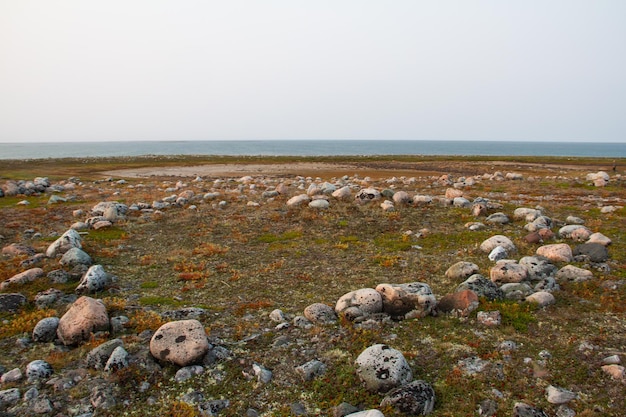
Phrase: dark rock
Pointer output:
(594, 252)
(416, 398)
(11, 302)
(482, 286)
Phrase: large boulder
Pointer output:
(557, 252)
(23, 278)
(181, 342)
(46, 329)
(594, 252)
(414, 299)
(507, 271)
(382, 368)
(68, 240)
(74, 257)
(85, 316)
(94, 280)
(539, 268)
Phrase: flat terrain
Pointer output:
(237, 250)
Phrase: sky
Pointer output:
(529, 70)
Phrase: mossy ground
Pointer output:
(241, 262)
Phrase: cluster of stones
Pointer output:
(184, 342)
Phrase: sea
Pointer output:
(309, 148)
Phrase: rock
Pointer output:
(102, 224)
(452, 193)
(482, 287)
(539, 268)
(516, 291)
(17, 249)
(387, 206)
(37, 370)
(479, 209)
(117, 360)
(14, 375)
(320, 313)
(524, 213)
(557, 395)
(599, 238)
(319, 203)
(277, 316)
(461, 303)
(102, 397)
(98, 357)
(367, 413)
(462, 270)
(184, 313)
(22, 278)
(46, 330)
(188, 372)
(514, 176)
(118, 323)
(68, 240)
(612, 360)
(11, 302)
(415, 399)
(343, 193)
(75, 256)
(9, 397)
(359, 303)
(382, 368)
(472, 365)
(615, 371)
(41, 406)
(264, 376)
(497, 240)
(497, 218)
(111, 210)
(489, 318)
(311, 369)
(401, 197)
(594, 252)
(48, 298)
(574, 274)
(533, 238)
(411, 300)
(344, 409)
(498, 253)
(85, 316)
(461, 202)
(180, 342)
(422, 200)
(298, 200)
(487, 407)
(367, 194)
(558, 252)
(574, 220)
(525, 410)
(542, 298)
(508, 271)
(93, 281)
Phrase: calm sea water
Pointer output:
(309, 148)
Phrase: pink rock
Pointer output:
(463, 302)
(181, 342)
(23, 278)
(16, 249)
(615, 371)
(542, 298)
(558, 252)
(452, 193)
(508, 271)
(85, 316)
(546, 234)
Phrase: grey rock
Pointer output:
(344, 409)
(214, 407)
(277, 316)
(69, 239)
(359, 303)
(311, 369)
(525, 410)
(37, 370)
(58, 276)
(462, 270)
(538, 267)
(416, 398)
(96, 279)
(498, 240)
(188, 372)
(557, 395)
(487, 408)
(117, 360)
(497, 218)
(367, 413)
(41, 406)
(98, 357)
(9, 397)
(118, 323)
(46, 330)
(382, 368)
(319, 203)
(302, 322)
(48, 298)
(14, 375)
(184, 313)
(516, 291)
(11, 301)
(594, 252)
(264, 376)
(472, 365)
(368, 194)
(482, 286)
(75, 256)
(102, 397)
(497, 254)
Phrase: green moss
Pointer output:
(272, 238)
(159, 301)
(149, 285)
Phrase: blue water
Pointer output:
(309, 148)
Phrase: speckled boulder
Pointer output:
(37, 370)
(482, 286)
(94, 280)
(359, 303)
(414, 399)
(85, 316)
(75, 256)
(538, 267)
(382, 368)
(46, 329)
(180, 342)
(462, 270)
(23, 278)
(68, 240)
(507, 271)
(411, 300)
(320, 313)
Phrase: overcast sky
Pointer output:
(79, 70)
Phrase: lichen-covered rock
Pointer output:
(117, 360)
(539, 268)
(508, 271)
(311, 369)
(75, 256)
(359, 303)
(575, 232)
(462, 270)
(593, 252)
(525, 410)
(557, 395)
(498, 240)
(85, 316)
(411, 300)
(180, 342)
(382, 368)
(516, 291)
(46, 329)
(11, 302)
(574, 274)
(94, 280)
(68, 240)
(482, 286)
(37, 370)
(17, 249)
(415, 399)
(557, 252)
(320, 313)
(98, 356)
